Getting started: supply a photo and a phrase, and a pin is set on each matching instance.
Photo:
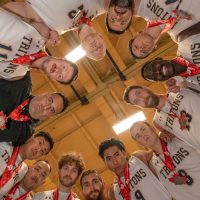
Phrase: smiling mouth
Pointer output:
(164, 70)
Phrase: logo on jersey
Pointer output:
(184, 120)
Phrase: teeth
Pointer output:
(164, 70)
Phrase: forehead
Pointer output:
(70, 164)
(42, 165)
(111, 150)
(90, 177)
(136, 127)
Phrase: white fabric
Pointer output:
(185, 100)
(18, 193)
(157, 9)
(142, 182)
(19, 36)
(9, 71)
(184, 158)
(6, 150)
(189, 49)
(49, 195)
(58, 14)
(16, 178)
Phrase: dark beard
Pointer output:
(122, 3)
(63, 183)
(100, 197)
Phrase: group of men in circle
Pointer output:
(170, 170)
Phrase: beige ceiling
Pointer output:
(82, 128)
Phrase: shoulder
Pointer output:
(144, 156)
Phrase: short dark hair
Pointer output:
(110, 30)
(88, 172)
(130, 49)
(65, 101)
(47, 137)
(72, 158)
(74, 74)
(109, 143)
(46, 161)
(127, 90)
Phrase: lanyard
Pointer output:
(27, 59)
(56, 195)
(176, 178)
(12, 192)
(14, 115)
(192, 69)
(124, 188)
(8, 172)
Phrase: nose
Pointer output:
(47, 106)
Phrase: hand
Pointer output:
(53, 39)
(171, 85)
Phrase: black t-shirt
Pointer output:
(12, 94)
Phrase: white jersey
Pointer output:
(49, 195)
(189, 49)
(18, 193)
(16, 178)
(143, 183)
(6, 150)
(9, 71)
(185, 103)
(17, 38)
(158, 10)
(58, 15)
(187, 162)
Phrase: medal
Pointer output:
(14, 115)
(178, 179)
(3, 120)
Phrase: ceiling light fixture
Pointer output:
(76, 54)
(126, 123)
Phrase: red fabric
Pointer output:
(8, 172)
(124, 189)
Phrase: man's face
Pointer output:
(92, 187)
(43, 106)
(143, 97)
(36, 175)
(142, 45)
(94, 46)
(115, 160)
(68, 174)
(159, 70)
(119, 14)
(36, 147)
(58, 69)
(144, 134)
